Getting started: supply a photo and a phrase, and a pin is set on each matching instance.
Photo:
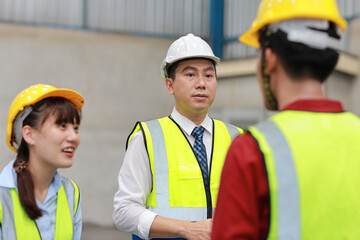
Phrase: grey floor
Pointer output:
(94, 232)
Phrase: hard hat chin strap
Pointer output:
(18, 124)
(266, 80)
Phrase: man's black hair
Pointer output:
(300, 60)
(172, 68)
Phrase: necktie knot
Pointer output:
(198, 132)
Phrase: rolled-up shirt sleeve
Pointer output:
(135, 185)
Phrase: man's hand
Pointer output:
(170, 228)
(198, 230)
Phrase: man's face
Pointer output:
(194, 87)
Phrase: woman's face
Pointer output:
(54, 145)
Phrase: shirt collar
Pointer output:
(54, 187)
(188, 126)
(8, 179)
(315, 105)
(8, 176)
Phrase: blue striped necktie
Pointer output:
(200, 151)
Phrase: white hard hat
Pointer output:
(188, 46)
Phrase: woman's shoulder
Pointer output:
(8, 176)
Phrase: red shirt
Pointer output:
(243, 205)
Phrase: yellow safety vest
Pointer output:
(178, 190)
(313, 165)
(17, 225)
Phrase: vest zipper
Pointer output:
(208, 199)
(206, 186)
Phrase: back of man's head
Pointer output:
(305, 34)
(306, 48)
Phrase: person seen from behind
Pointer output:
(295, 175)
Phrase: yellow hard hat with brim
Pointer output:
(271, 11)
(33, 95)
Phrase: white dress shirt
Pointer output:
(135, 179)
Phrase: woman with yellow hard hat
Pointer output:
(36, 202)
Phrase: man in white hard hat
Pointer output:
(169, 179)
(296, 175)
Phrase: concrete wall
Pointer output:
(354, 48)
(119, 77)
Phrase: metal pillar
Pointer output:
(216, 26)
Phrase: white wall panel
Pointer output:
(161, 18)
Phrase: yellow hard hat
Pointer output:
(31, 96)
(271, 11)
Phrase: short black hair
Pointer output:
(172, 68)
(300, 60)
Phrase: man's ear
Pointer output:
(170, 85)
(271, 61)
(28, 135)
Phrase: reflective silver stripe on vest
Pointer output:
(160, 163)
(181, 213)
(7, 228)
(162, 180)
(288, 192)
(233, 131)
(69, 191)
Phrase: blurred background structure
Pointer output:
(111, 51)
